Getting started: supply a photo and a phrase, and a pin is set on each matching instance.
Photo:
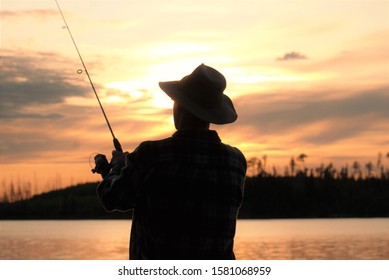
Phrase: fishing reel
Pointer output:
(102, 165)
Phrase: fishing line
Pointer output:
(79, 71)
(90, 157)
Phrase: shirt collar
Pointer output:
(210, 135)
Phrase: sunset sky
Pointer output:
(306, 77)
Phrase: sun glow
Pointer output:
(161, 100)
(256, 76)
(177, 48)
(114, 99)
(141, 91)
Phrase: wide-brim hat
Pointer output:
(201, 93)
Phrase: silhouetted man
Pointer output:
(185, 190)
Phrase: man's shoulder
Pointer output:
(235, 153)
(152, 144)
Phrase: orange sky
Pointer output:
(305, 76)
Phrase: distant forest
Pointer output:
(266, 197)
(76, 202)
(256, 167)
(297, 167)
(361, 190)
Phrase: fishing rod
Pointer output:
(116, 143)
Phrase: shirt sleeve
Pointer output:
(117, 191)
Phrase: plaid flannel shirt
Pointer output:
(185, 192)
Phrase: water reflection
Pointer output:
(326, 239)
(258, 239)
(314, 249)
(80, 240)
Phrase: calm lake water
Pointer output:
(328, 239)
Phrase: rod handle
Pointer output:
(117, 145)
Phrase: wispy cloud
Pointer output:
(7, 14)
(292, 56)
(334, 118)
(24, 82)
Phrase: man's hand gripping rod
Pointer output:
(115, 140)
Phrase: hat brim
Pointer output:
(223, 114)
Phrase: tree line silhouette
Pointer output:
(258, 167)
(315, 197)
(361, 190)
(322, 192)
(75, 202)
